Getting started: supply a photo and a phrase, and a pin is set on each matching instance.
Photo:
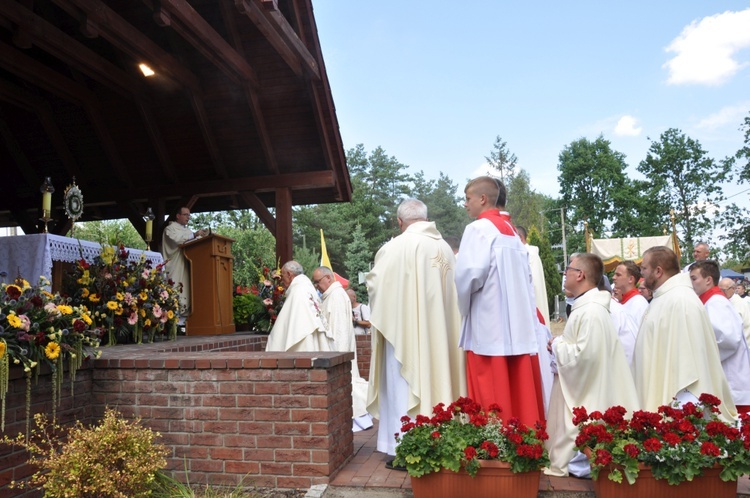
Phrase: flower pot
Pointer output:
(494, 480)
(709, 484)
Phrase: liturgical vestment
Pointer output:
(500, 321)
(177, 265)
(300, 326)
(676, 350)
(337, 310)
(730, 337)
(414, 310)
(743, 308)
(592, 373)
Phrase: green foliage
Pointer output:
(502, 160)
(445, 206)
(109, 232)
(114, 459)
(684, 178)
(358, 258)
(247, 310)
(552, 278)
(253, 249)
(308, 257)
(462, 434)
(592, 178)
(524, 204)
(677, 443)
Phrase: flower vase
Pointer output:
(494, 480)
(708, 484)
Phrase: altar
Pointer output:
(32, 256)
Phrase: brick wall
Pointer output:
(364, 352)
(225, 410)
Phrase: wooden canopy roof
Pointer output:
(239, 113)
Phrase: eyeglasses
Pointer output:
(571, 268)
(316, 282)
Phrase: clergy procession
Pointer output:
(446, 323)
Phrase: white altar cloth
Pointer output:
(31, 256)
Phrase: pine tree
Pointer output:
(358, 257)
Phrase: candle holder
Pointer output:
(149, 219)
(47, 189)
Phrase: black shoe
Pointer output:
(389, 465)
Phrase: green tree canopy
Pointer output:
(502, 160)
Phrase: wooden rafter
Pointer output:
(282, 37)
(296, 181)
(260, 210)
(152, 128)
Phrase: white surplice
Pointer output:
(627, 329)
(743, 308)
(177, 266)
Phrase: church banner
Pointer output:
(615, 251)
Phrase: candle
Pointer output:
(47, 202)
(149, 229)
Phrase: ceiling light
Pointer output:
(147, 71)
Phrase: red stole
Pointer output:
(713, 291)
(501, 220)
(629, 294)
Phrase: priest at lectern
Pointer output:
(176, 233)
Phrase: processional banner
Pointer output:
(615, 251)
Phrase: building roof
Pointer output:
(238, 114)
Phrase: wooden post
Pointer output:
(283, 225)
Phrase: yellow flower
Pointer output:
(119, 296)
(48, 295)
(170, 314)
(25, 284)
(64, 309)
(52, 351)
(15, 287)
(143, 313)
(3, 348)
(85, 293)
(87, 319)
(108, 254)
(111, 305)
(94, 298)
(147, 323)
(143, 295)
(118, 311)
(14, 321)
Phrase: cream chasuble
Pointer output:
(676, 349)
(300, 325)
(414, 308)
(537, 278)
(337, 310)
(592, 372)
(177, 265)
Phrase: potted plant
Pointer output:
(462, 449)
(663, 453)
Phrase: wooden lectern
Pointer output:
(211, 264)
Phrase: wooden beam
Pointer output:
(152, 128)
(292, 181)
(250, 93)
(54, 41)
(283, 225)
(208, 136)
(24, 99)
(29, 174)
(130, 40)
(281, 36)
(260, 209)
(200, 34)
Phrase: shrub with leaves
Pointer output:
(114, 459)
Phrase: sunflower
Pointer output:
(170, 314)
(14, 321)
(111, 305)
(143, 295)
(94, 298)
(52, 351)
(65, 309)
(119, 296)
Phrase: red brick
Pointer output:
(319, 456)
(241, 441)
(152, 400)
(152, 375)
(265, 401)
(273, 415)
(236, 388)
(206, 440)
(226, 453)
(202, 413)
(275, 441)
(292, 455)
(291, 401)
(172, 413)
(236, 414)
(311, 442)
(206, 466)
(293, 482)
(220, 427)
(272, 388)
(255, 427)
(219, 400)
(303, 389)
(293, 429)
(242, 468)
(260, 455)
(254, 375)
(293, 375)
(309, 416)
(318, 375)
(311, 469)
(203, 388)
(279, 469)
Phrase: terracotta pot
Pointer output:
(709, 484)
(494, 480)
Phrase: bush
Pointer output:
(115, 459)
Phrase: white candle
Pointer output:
(149, 229)
(47, 202)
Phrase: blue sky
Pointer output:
(434, 82)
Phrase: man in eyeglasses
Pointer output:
(175, 234)
(337, 310)
(676, 356)
(301, 325)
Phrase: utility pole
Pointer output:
(565, 247)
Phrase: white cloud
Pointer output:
(729, 115)
(706, 50)
(626, 127)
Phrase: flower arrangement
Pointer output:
(462, 434)
(39, 328)
(258, 306)
(128, 300)
(677, 443)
